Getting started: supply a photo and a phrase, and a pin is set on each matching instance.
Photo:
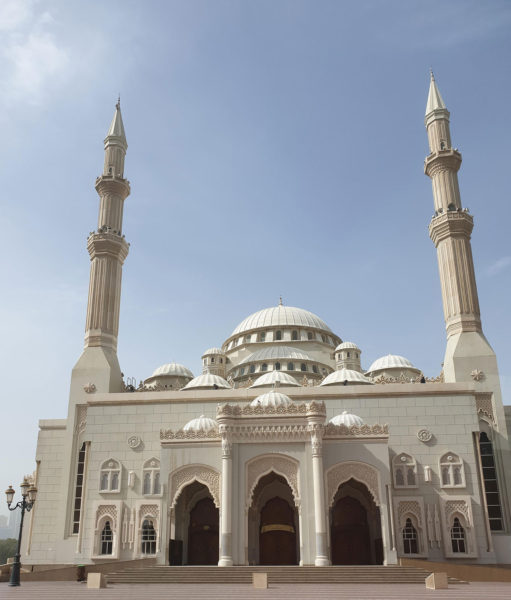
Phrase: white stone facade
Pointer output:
(425, 474)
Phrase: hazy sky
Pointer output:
(275, 148)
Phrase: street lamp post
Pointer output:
(30, 492)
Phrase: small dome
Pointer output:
(172, 370)
(202, 423)
(342, 375)
(276, 316)
(207, 381)
(213, 351)
(276, 352)
(273, 399)
(346, 418)
(347, 346)
(273, 377)
(391, 361)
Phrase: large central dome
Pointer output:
(276, 316)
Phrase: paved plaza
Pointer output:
(65, 590)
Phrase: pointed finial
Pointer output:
(435, 101)
(431, 73)
(118, 105)
(280, 301)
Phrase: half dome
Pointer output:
(272, 377)
(272, 399)
(276, 316)
(172, 370)
(207, 381)
(201, 423)
(347, 419)
(391, 361)
(342, 375)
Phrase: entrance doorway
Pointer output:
(355, 527)
(196, 528)
(273, 523)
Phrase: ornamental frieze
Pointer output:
(333, 431)
(168, 434)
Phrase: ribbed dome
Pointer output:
(347, 346)
(391, 361)
(281, 316)
(276, 352)
(202, 423)
(212, 351)
(273, 399)
(172, 369)
(272, 377)
(207, 381)
(348, 419)
(342, 375)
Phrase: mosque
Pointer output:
(283, 450)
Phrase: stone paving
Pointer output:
(67, 590)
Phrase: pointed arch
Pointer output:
(362, 472)
(204, 474)
(280, 464)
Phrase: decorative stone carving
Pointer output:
(477, 375)
(332, 430)
(280, 464)
(424, 435)
(109, 510)
(456, 506)
(342, 472)
(406, 508)
(168, 434)
(226, 447)
(316, 439)
(201, 473)
(149, 510)
(235, 410)
(484, 406)
(134, 441)
(89, 388)
(81, 418)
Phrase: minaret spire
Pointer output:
(451, 227)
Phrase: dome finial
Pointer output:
(280, 301)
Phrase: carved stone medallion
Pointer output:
(424, 435)
(134, 441)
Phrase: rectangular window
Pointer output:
(79, 489)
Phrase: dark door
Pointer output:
(203, 534)
(350, 533)
(277, 534)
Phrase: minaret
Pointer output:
(108, 250)
(467, 349)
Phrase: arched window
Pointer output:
(323, 338)
(458, 537)
(348, 354)
(110, 475)
(264, 367)
(309, 335)
(314, 368)
(148, 537)
(252, 368)
(247, 339)
(278, 335)
(451, 470)
(303, 367)
(277, 366)
(405, 471)
(242, 371)
(212, 359)
(290, 366)
(262, 336)
(410, 545)
(151, 477)
(294, 335)
(491, 487)
(107, 539)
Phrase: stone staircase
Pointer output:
(276, 574)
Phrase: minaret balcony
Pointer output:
(451, 224)
(112, 184)
(107, 243)
(441, 160)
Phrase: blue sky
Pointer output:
(275, 148)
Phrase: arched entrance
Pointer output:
(355, 527)
(196, 527)
(273, 523)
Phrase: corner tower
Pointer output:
(108, 249)
(468, 354)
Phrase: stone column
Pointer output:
(319, 495)
(226, 505)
